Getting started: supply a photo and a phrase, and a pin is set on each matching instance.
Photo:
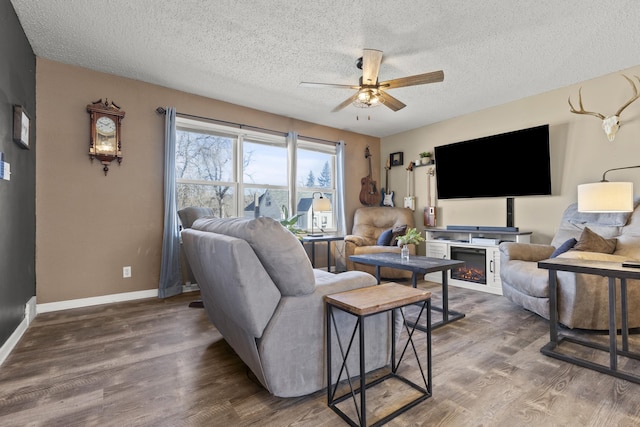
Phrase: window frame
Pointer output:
(239, 136)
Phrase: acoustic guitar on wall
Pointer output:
(369, 195)
(387, 195)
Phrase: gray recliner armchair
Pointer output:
(262, 294)
(582, 298)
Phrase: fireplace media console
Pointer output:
(478, 248)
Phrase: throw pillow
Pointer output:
(593, 242)
(564, 247)
(385, 238)
(400, 230)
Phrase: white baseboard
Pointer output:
(12, 341)
(190, 287)
(86, 302)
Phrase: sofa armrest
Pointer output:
(352, 238)
(525, 251)
(293, 346)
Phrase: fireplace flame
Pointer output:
(469, 274)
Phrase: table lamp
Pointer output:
(320, 204)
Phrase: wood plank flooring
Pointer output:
(160, 363)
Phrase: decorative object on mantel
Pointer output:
(20, 126)
(605, 196)
(610, 124)
(105, 143)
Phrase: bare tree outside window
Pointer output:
(204, 171)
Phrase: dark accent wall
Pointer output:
(17, 196)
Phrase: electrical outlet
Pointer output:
(126, 271)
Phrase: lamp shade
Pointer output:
(605, 197)
(321, 204)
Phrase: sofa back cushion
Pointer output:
(573, 223)
(370, 222)
(280, 252)
(231, 279)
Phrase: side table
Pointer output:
(613, 271)
(362, 303)
(325, 238)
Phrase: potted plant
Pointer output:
(290, 223)
(425, 157)
(412, 236)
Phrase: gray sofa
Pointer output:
(582, 298)
(262, 294)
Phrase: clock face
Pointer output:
(105, 125)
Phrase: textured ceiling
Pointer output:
(255, 53)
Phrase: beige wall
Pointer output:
(89, 226)
(580, 153)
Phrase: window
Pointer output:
(316, 172)
(241, 173)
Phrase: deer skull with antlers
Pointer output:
(610, 124)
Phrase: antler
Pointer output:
(635, 96)
(582, 110)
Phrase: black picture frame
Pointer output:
(396, 159)
(21, 126)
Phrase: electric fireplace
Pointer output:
(475, 268)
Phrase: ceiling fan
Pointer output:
(370, 92)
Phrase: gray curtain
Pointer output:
(340, 189)
(170, 275)
(292, 138)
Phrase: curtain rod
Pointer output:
(162, 110)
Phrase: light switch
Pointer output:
(5, 170)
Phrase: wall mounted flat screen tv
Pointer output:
(510, 164)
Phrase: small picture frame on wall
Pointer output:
(20, 126)
(396, 159)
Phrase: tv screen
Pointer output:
(505, 165)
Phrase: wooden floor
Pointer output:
(159, 363)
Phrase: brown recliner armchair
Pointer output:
(368, 224)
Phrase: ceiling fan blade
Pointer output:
(371, 59)
(345, 103)
(323, 85)
(391, 102)
(419, 79)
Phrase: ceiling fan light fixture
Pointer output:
(368, 98)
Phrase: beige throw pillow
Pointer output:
(593, 242)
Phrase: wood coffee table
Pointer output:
(417, 265)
